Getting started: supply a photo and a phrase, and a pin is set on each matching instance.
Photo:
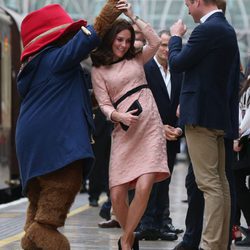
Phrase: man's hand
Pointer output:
(178, 29)
(172, 133)
(236, 146)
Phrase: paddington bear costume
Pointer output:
(55, 120)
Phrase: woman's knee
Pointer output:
(144, 185)
(118, 194)
(145, 182)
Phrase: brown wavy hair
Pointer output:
(103, 54)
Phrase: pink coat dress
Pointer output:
(142, 148)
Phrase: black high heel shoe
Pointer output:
(119, 244)
(135, 244)
(134, 247)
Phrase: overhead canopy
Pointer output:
(160, 13)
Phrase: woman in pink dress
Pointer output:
(138, 151)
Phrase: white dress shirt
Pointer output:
(204, 18)
(166, 76)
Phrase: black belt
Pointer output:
(130, 92)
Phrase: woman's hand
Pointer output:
(125, 7)
(126, 118)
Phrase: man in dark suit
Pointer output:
(210, 61)
(194, 216)
(101, 143)
(98, 177)
(156, 222)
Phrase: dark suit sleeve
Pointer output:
(184, 58)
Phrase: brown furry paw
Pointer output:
(47, 238)
(107, 16)
(27, 244)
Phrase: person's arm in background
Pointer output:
(245, 124)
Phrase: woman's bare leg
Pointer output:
(119, 199)
(137, 208)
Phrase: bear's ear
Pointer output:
(107, 16)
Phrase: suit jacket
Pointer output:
(166, 106)
(210, 60)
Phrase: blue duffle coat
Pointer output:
(55, 120)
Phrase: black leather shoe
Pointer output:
(243, 243)
(244, 230)
(167, 236)
(147, 234)
(154, 234)
(109, 224)
(246, 241)
(182, 246)
(105, 210)
(105, 214)
(93, 202)
(170, 228)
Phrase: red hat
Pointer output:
(41, 27)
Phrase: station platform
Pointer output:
(82, 224)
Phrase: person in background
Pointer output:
(98, 179)
(156, 222)
(242, 169)
(55, 120)
(138, 149)
(98, 176)
(208, 108)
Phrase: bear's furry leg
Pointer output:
(42, 237)
(27, 244)
(33, 194)
(58, 191)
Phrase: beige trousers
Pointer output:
(207, 153)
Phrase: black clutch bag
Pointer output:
(133, 106)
